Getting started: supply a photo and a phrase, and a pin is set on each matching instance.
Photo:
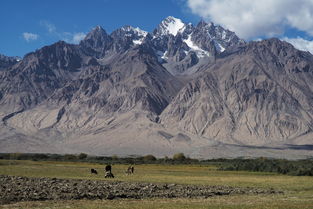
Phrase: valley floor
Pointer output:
(297, 191)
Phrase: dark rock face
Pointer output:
(16, 189)
(38, 75)
(135, 79)
(127, 37)
(6, 62)
(214, 38)
(96, 42)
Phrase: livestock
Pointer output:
(108, 168)
(108, 172)
(130, 170)
(93, 171)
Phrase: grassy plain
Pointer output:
(298, 190)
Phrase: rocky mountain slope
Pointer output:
(6, 61)
(198, 89)
(260, 93)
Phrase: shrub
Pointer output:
(55, 157)
(149, 158)
(15, 156)
(82, 156)
(179, 157)
(114, 157)
(70, 157)
(40, 156)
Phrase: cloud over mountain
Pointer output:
(70, 37)
(30, 36)
(251, 18)
(300, 43)
(77, 37)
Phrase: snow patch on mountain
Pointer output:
(162, 56)
(200, 52)
(218, 46)
(137, 32)
(138, 42)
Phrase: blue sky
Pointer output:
(27, 25)
(50, 21)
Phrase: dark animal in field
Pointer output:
(108, 175)
(130, 170)
(108, 168)
(93, 171)
(108, 172)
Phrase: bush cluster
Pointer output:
(178, 158)
(299, 167)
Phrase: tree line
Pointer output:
(177, 158)
(281, 166)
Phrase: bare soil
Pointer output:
(16, 189)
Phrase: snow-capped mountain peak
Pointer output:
(136, 30)
(135, 34)
(170, 25)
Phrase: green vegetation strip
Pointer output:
(281, 166)
(298, 190)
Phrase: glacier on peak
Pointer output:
(200, 52)
(141, 34)
(170, 25)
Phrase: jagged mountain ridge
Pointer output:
(184, 48)
(181, 88)
(6, 61)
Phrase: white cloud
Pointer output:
(300, 43)
(77, 37)
(49, 26)
(254, 18)
(65, 36)
(73, 38)
(30, 36)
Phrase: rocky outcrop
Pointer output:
(96, 43)
(6, 62)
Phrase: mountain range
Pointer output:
(197, 89)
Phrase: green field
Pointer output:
(298, 190)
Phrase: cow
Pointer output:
(130, 170)
(93, 171)
(108, 171)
